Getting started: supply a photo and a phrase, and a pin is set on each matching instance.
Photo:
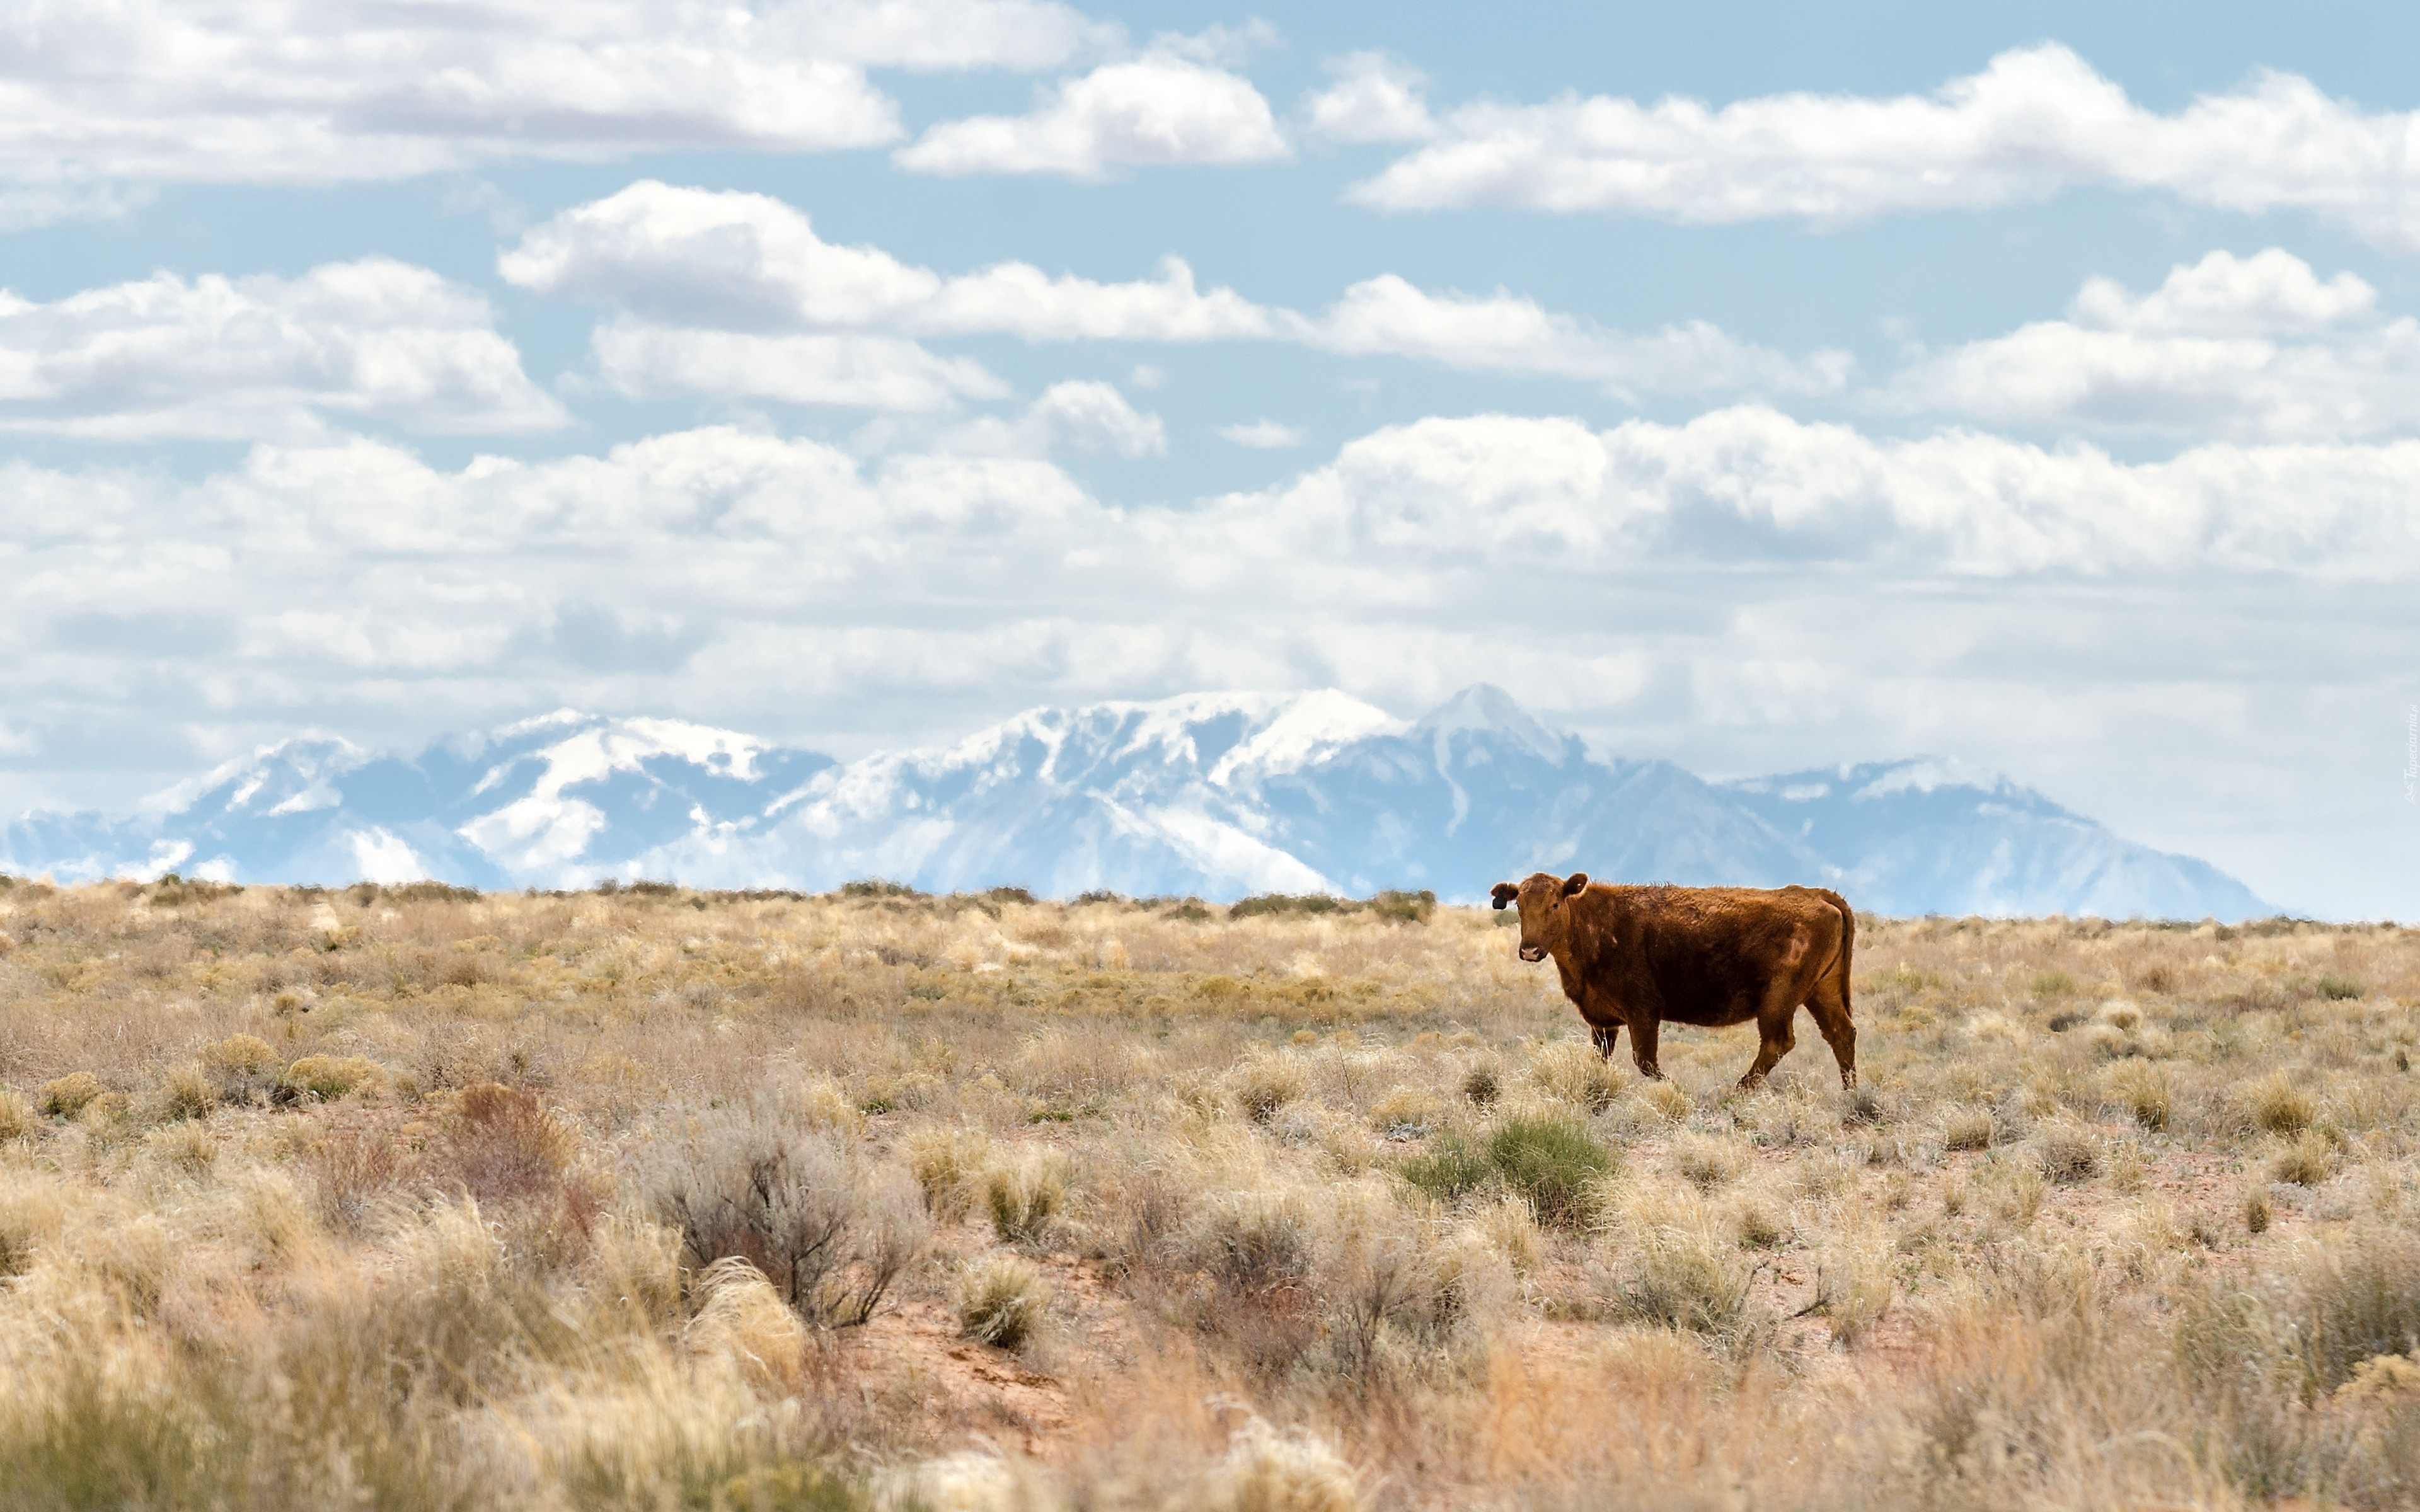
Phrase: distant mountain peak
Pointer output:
(1305, 728)
(1920, 774)
(1486, 708)
(1217, 793)
(292, 774)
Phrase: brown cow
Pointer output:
(1712, 956)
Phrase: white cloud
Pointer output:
(1505, 333)
(2035, 121)
(148, 92)
(2247, 349)
(1746, 589)
(1019, 299)
(261, 356)
(1266, 435)
(385, 858)
(737, 261)
(1076, 416)
(692, 258)
(856, 371)
(931, 36)
(2223, 295)
(1155, 111)
(1375, 98)
(1749, 484)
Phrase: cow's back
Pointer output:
(1712, 954)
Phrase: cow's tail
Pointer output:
(1841, 967)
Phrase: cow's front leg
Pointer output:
(1642, 1046)
(1603, 1036)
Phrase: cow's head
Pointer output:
(1545, 913)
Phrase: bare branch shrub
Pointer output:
(831, 1230)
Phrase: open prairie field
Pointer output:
(407, 1198)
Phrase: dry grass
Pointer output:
(414, 1199)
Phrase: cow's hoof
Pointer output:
(1750, 1081)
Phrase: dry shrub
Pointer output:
(741, 1317)
(1482, 1084)
(70, 1095)
(455, 1316)
(1143, 1211)
(2329, 1308)
(1853, 1287)
(351, 1170)
(949, 1164)
(1407, 1112)
(182, 1092)
(1025, 1193)
(1652, 1105)
(637, 1262)
(1266, 1471)
(830, 1231)
(1266, 1082)
(244, 1068)
(2146, 1091)
(2306, 1161)
(973, 1481)
(1967, 1129)
(32, 1214)
(2064, 1150)
(1574, 1072)
(2274, 1103)
(2256, 1213)
(1255, 1242)
(1684, 1276)
(186, 1147)
(1512, 1229)
(1757, 1219)
(2383, 1378)
(502, 1146)
(2016, 1189)
(325, 1078)
(18, 1119)
(1382, 1286)
(1002, 1302)
(1707, 1161)
(2157, 977)
(1259, 1252)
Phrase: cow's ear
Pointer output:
(1504, 892)
(1572, 884)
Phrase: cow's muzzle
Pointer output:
(1533, 953)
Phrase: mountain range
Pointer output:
(1214, 795)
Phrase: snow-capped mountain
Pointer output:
(1218, 795)
(563, 799)
(1933, 837)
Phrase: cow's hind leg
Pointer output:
(1603, 1036)
(1774, 1031)
(1773, 1027)
(1830, 1006)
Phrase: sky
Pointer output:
(1762, 387)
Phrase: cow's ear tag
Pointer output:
(1572, 884)
(1503, 892)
